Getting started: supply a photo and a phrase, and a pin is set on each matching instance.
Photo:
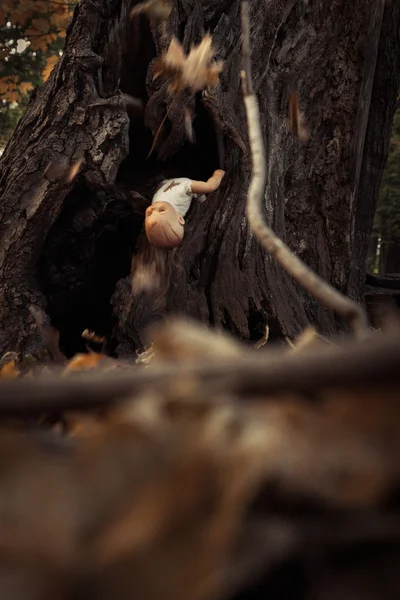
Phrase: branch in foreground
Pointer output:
(316, 286)
(351, 366)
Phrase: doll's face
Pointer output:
(164, 226)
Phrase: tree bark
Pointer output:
(65, 246)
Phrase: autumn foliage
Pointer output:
(39, 26)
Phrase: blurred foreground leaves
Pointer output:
(188, 485)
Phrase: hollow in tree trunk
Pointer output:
(67, 247)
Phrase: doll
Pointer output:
(164, 222)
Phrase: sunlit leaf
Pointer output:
(25, 86)
(196, 71)
(51, 61)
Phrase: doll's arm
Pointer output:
(212, 184)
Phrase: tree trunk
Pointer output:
(65, 246)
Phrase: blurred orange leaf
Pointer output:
(42, 41)
(13, 96)
(40, 24)
(60, 20)
(9, 371)
(51, 61)
(25, 86)
(84, 362)
(21, 16)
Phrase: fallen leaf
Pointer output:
(296, 119)
(263, 340)
(73, 170)
(188, 114)
(83, 362)
(91, 336)
(79, 424)
(195, 71)
(156, 10)
(143, 358)
(309, 337)
(182, 340)
(9, 370)
(131, 101)
(62, 171)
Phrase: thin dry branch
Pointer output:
(319, 288)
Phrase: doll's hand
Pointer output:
(219, 173)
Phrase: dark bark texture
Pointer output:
(68, 247)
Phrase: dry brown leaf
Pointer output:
(171, 63)
(263, 340)
(132, 101)
(9, 370)
(73, 170)
(91, 336)
(83, 362)
(143, 358)
(51, 62)
(188, 114)
(62, 171)
(156, 10)
(181, 340)
(296, 119)
(80, 424)
(55, 171)
(290, 343)
(308, 338)
(198, 72)
(195, 71)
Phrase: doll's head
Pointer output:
(164, 225)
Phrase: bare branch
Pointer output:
(319, 288)
(247, 79)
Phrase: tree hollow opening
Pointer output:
(91, 244)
